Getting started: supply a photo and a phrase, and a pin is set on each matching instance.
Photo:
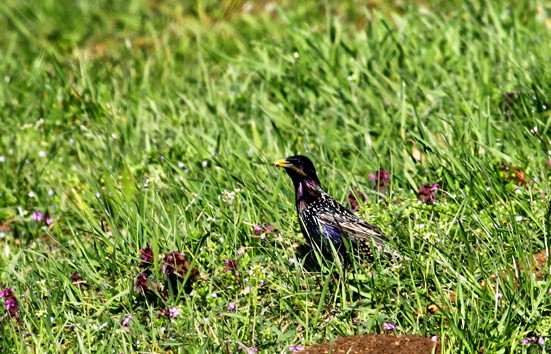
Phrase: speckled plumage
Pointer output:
(324, 222)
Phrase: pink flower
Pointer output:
(7, 293)
(257, 229)
(141, 284)
(427, 194)
(434, 338)
(232, 307)
(528, 340)
(146, 256)
(296, 348)
(541, 341)
(387, 326)
(241, 250)
(12, 306)
(549, 162)
(173, 312)
(40, 216)
(231, 264)
(384, 174)
(126, 320)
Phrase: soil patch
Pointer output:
(378, 344)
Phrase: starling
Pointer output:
(324, 222)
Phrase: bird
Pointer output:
(325, 223)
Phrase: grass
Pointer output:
(150, 124)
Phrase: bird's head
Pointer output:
(299, 168)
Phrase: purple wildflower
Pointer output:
(12, 306)
(75, 278)
(176, 264)
(354, 205)
(528, 340)
(387, 326)
(240, 250)
(541, 341)
(232, 307)
(231, 265)
(434, 338)
(257, 229)
(296, 348)
(427, 194)
(173, 312)
(146, 255)
(40, 216)
(48, 220)
(141, 284)
(381, 180)
(7, 293)
(126, 320)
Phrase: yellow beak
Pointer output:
(281, 163)
(287, 164)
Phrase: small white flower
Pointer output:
(42, 153)
(71, 141)
(181, 165)
(2, 158)
(114, 136)
(534, 130)
(204, 163)
(270, 7)
(518, 191)
(227, 197)
(98, 195)
(51, 192)
(296, 55)
(488, 188)
(31, 195)
(247, 7)
(519, 218)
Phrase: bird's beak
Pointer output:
(287, 164)
(282, 163)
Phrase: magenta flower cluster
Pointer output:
(540, 340)
(175, 267)
(43, 217)
(12, 305)
(427, 194)
(381, 178)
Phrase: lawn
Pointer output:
(139, 211)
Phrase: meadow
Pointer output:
(139, 210)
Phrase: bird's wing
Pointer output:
(359, 231)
